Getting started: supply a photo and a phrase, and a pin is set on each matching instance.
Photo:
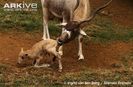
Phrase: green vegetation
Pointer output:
(31, 77)
(26, 21)
(22, 21)
(102, 29)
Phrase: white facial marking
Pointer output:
(68, 32)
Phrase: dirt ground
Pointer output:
(106, 54)
(96, 55)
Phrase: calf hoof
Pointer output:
(45, 65)
(36, 66)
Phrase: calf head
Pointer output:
(23, 57)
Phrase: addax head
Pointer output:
(71, 30)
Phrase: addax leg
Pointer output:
(45, 22)
(80, 53)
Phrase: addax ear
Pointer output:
(82, 33)
(62, 24)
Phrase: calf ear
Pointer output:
(82, 33)
(22, 50)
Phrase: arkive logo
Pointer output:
(23, 6)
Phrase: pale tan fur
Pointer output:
(36, 52)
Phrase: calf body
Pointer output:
(38, 50)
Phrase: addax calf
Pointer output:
(38, 50)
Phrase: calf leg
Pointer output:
(59, 61)
(37, 61)
(80, 53)
(60, 50)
